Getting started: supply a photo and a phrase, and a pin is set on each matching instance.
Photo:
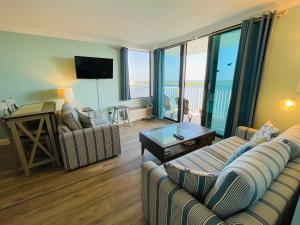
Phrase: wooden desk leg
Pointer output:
(52, 139)
(19, 147)
(15, 154)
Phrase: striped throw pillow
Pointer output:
(246, 179)
(194, 182)
(292, 137)
(244, 148)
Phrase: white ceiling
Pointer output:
(133, 23)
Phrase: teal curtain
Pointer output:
(210, 82)
(158, 77)
(124, 75)
(253, 44)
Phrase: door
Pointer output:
(172, 82)
(223, 49)
(195, 71)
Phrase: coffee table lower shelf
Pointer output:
(175, 151)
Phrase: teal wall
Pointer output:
(32, 67)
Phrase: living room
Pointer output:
(117, 112)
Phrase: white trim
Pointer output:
(4, 142)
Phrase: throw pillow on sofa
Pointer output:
(267, 130)
(70, 117)
(195, 182)
(88, 121)
(85, 120)
(292, 137)
(244, 148)
(246, 179)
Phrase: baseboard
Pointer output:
(4, 142)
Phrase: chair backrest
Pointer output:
(11, 104)
(3, 112)
(186, 106)
(167, 103)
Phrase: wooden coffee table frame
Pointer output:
(169, 152)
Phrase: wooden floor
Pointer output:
(104, 193)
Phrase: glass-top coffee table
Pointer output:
(162, 143)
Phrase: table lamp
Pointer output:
(65, 93)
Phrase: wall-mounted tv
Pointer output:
(93, 68)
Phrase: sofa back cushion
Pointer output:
(246, 179)
(292, 137)
(70, 117)
(244, 148)
(197, 183)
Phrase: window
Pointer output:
(139, 73)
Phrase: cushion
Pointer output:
(267, 130)
(195, 182)
(295, 148)
(292, 137)
(246, 179)
(70, 117)
(244, 148)
(85, 120)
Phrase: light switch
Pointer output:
(298, 87)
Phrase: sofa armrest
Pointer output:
(163, 202)
(89, 145)
(245, 132)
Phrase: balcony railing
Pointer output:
(195, 96)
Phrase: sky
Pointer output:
(197, 56)
(138, 65)
(196, 60)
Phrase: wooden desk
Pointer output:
(17, 122)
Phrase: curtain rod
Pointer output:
(211, 33)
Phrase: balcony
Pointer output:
(194, 95)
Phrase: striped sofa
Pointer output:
(88, 145)
(165, 203)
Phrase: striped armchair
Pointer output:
(89, 145)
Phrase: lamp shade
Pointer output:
(65, 93)
(288, 104)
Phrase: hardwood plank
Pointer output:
(107, 192)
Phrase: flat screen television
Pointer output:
(93, 68)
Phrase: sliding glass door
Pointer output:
(172, 84)
(198, 79)
(220, 74)
(196, 57)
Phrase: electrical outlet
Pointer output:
(298, 87)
